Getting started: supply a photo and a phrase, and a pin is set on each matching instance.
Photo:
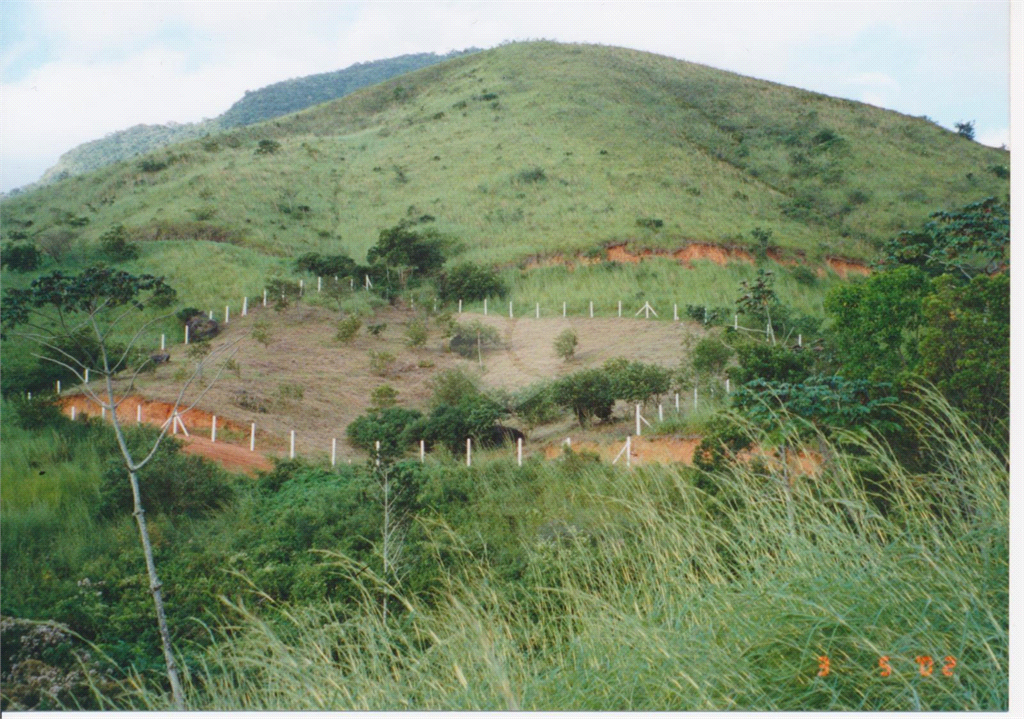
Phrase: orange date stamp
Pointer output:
(925, 666)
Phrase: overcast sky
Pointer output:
(74, 71)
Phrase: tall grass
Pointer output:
(666, 593)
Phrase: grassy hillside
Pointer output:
(265, 103)
(538, 148)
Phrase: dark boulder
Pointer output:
(160, 358)
(500, 434)
(202, 328)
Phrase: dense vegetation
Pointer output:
(846, 509)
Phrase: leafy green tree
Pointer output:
(637, 382)
(965, 347)
(470, 282)
(408, 250)
(386, 426)
(589, 393)
(473, 417)
(875, 323)
(759, 300)
(772, 363)
(116, 245)
(21, 257)
(972, 240)
(965, 129)
(472, 338)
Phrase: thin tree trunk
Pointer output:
(158, 601)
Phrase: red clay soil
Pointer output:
(199, 423)
(719, 254)
(665, 450)
(843, 267)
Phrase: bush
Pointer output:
(416, 333)
(469, 282)
(530, 175)
(537, 406)
(23, 257)
(172, 482)
(650, 223)
(381, 363)
(383, 397)
(710, 356)
(723, 440)
(376, 329)
(474, 417)
(268, 147)
(471, 339)
(565, 344)
(588, 394)
(636, 382)
(452, 386)
(387, 426)
(804, 275)
(325, 265)
(115, 245)
(348, 328)
(184, 315)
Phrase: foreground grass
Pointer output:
(661, 592)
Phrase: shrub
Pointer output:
(376, 329)
(383, 397)
(588, 394)
(530, 175)
(386, 426)
(471, 339)
(325, 265)
(261, 332)
(282, 292)
(650, 223)
(452, 386)
(804, 275)
(23, 257)
(474, 417)
(115, 245)
(636, 382)
(187, 313)
(348, 328)
(416, 333)
(381, 363)
(537, 406)
(290, 391)
(268, 147)
(565, 344)
(710, 356)
(470, 282)
(723, 440)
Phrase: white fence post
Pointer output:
(620, 308)
(469, 452)
(163, 342)
(227, 314)
(376, 446)
(735, 322)
(291, 451)
(213, 429)
(638, 420)
(675, 313)
(510, 309)
(186, 334)
(58, 386)
(138, 413)
(677, 401)
(318, 283)
(460, 307)
(245, 306)
(563, 309)
(727, 385)
(800, 340)
(334, 451)
(87, 375)
(626, 450)
(302, 286)
(264, 298)
(695, 397)
(629, 451)
(72, 412)
(485, 306)
(252, 437)
(423, 451)
(519, 450)
(211, 314)
(538, 310)
(661, 415)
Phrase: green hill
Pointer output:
(268, 102)
(525, 150)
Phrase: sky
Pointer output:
(71, 72)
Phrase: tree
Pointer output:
(972, 240)
(23, 257)
(58, 309)
(116, 245)
(589, 393)
(965, 129)
(759, 300)
(408, 250)
(268, 147)
(470, 282)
